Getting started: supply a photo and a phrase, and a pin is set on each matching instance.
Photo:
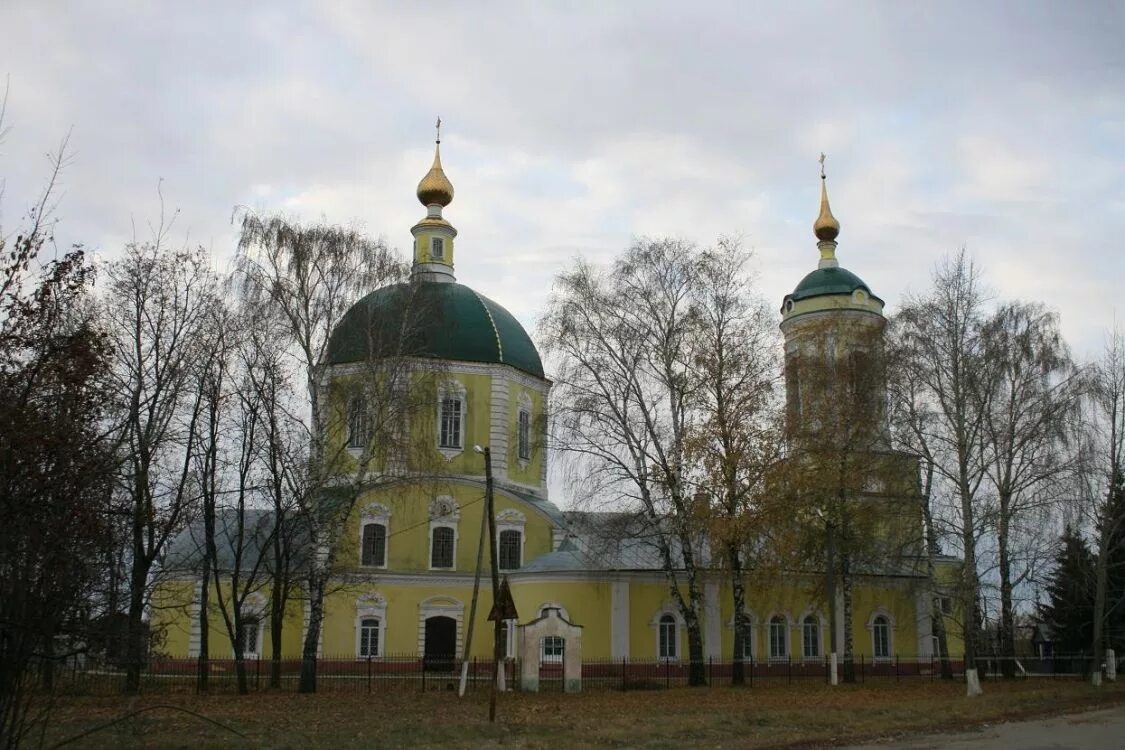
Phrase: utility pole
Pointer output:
(497, 647)
(484, 516)
(830, 588)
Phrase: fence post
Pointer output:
(667, 673)
(258, 673)
(369, 674)
(931, 667)
(423, 663)
(861, 674)
(710, 671)
(790, 669)
(896, 667)
(827, 668)
(751, 670)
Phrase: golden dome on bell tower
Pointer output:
(435, 188)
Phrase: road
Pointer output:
(1093, 729)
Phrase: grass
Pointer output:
(797, 716)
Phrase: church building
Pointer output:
(404, 573)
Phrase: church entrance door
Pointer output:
(440, 644)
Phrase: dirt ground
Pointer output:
(717, 717)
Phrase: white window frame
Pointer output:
(449, 390)
(784, 630)
(511, 519)
(370, 606)
(890, 625)
(819, 643)
(444, 513)
(667, 638)
(544, 657)
(381, 514)
(657, 623)
(378, 628)
(437, 248)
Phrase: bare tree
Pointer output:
(309, 276)
(622, 405)
(736, 440)
(1033, 402)
(941, 334)
(155, 308)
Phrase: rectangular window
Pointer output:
(524, 435)
(510, 549)
(667, 645)
(374, 545)
(450, 428)
(358, 427)
(437, 247)
(946, 605)
(441, 552)
(552, 648)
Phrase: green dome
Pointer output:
(824, 281)
(448, 321)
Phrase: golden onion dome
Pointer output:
(435, 187)
(825, 227)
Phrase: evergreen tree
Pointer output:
(1114, 520)
(1070, 607)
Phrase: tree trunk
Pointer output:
(135, 646)
(277, 614)
(846, 592)
(741, 629)
(203, 668)
(1007, 626)
(970, 584)
(307, 683)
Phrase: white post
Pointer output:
(972, 683)
(833, 676)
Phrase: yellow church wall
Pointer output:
(587, 603)
(171, 622)
(174, 618)
(423, 247)
(408, 546)
(899, 604)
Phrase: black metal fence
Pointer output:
(81, 676)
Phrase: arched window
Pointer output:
(667, 634)
(810, 637)
(748, 644)
(881, 637)
(358, 427)
(779, 641)
(374, 551)
(369, 637)
(441, 549)
(511, 543)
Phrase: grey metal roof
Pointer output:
(185, 552)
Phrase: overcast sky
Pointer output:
(571, 127)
